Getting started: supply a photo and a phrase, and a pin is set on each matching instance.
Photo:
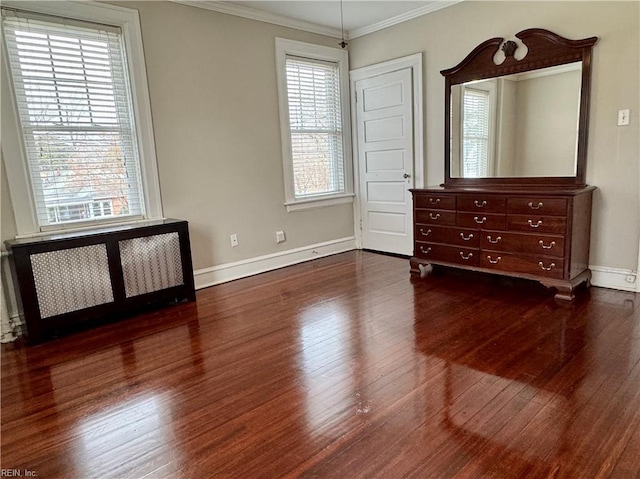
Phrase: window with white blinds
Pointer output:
(475, 141)
(315, 120)
(75, 110)
(313, 94)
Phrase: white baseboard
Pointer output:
(614, 278)
(241, 269)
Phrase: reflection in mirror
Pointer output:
(522, 125)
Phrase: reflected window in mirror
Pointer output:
(473, 144)
(520, 125)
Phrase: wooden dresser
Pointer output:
(539, 234)
(514, 199)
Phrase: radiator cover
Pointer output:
(74, 278)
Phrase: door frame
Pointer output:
(415, 63)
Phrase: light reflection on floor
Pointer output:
(126, 438)
(325, 344)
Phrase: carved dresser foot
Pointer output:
(565, 293)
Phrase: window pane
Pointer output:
(314, 169)
(74, 166)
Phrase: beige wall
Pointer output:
(549, 107)
(214, 101)
(448, 35)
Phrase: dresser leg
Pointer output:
(419, 268)
(565, 289)
(415, 267)
(565, 293)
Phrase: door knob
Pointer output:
(406, 175)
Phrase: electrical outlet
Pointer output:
(623, 117)
(234, 240)
(631, 278)
(280, 237)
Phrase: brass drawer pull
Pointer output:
(537, 207)
(425, 233)
(467, 238)
(551, 266)
(480, 205)
(469, 256)
(425, 251)
(536, 225)
(494, 261)
(492, 241)
(434, 216)
(480, 221)
(551, 245)
(434, 201)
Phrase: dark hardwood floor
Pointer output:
(338, 368)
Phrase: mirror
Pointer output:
(497, 124)
(519, 119)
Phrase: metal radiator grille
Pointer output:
(151, 263)
(71, 279)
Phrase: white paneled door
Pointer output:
(384, 116)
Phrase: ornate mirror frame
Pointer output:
(545, 49)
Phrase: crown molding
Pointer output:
(284, 21)
(404, 17)
(262, 16)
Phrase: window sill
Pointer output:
(312, 203)
(86, 227)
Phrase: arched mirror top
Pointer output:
(516, 113)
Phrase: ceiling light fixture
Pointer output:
(342, 44)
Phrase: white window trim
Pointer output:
(286, 47)
(13, 149)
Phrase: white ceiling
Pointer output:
(356, 14)
(360, 16)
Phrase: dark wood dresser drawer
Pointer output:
(439, 202)
(482, 204)
(522, 243)
(447, 235)
(435, 217)
(537, 224)
(521, 263)
(538, 206)
(448, 254)
(482, 220)
(535, 232)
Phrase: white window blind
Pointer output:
(475, 145)
(313, 93)
(74, 102)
